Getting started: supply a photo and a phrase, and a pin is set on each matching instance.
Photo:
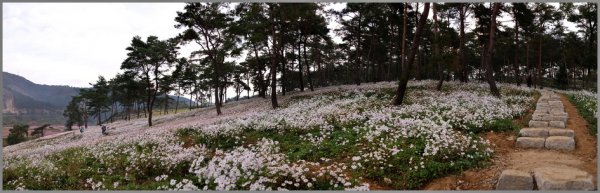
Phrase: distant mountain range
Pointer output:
(35, 104)
(28, 102)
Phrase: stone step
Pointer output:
(545, 132)
(562, 178)
(533, 132)
(560, 113)
(556, 124)
(550, 105)
(560, 143)
(551, 142)
(533, 123)
(555, 103)
(547, 110)
(549, 117)
(546, 178)
(514, 180)
(531, 142)
(561, 132)
(557, 111)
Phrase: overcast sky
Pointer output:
(73, 43)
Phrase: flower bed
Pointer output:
(585, 101)
(338, 140)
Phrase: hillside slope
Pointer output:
(54, 96)
(26, 102)
(337, 137)
(31, 103)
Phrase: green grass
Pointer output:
(339, 144)
(587, 114)
(75, 165)
(405, 177)
(502, 125)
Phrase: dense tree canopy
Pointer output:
(272, 48)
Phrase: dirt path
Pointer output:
(508, 156)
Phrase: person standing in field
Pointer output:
(104, 129)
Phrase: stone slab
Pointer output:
(560, 143)
(531, 142)
(562, 178)
(542, 105)
(556, 110)
(561, 132)
(556, 113)
(548, 117)
(554, 102)
(534, 132)
(515, 180)
(557, 124)
(558, 118)
(533, 123)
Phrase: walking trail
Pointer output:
(549, 155)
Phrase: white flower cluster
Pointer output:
(161, 177)
(184, 185)
(587, 98)
(94, 185)
(262, 167)
(435, 118)
(18, 184)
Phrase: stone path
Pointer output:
(547, 126)
(547, 130)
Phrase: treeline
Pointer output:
(20, 132)
(288, 47)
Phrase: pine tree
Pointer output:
(208, 25)
(17, 134)
(402, 85)
(147, 60)
(73, 113)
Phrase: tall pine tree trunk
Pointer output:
(405, 18)
(539, 67)
(112, 112)
(436, 48)
(283, 65)
(370, 62)
(177, 103)
(529, 70)
(517, 65)
(138, 109)
(318, 63)
(273, 64)
(488, 54)
(300, 69)
(401, 91)
(191, 99)
(248, 83)
(261, 79)
(464, 77)
(167, 104)
(217, 101)
(310, 82)
(358, 71)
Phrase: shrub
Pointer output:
(17, 134)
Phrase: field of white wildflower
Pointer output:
(341, 139)
(585, 101)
